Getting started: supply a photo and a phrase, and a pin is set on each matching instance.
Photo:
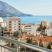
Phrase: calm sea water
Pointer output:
(36, 19)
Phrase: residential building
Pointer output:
(48, 32)
(13, 24)
(45, 23)
(1, 19)
(51, 24)
(29, 28)
(3, 24)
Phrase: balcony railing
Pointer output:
(20, 44)
(6, 49)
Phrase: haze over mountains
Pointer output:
(7, 11)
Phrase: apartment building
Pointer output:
(29, 28)
(13, 24)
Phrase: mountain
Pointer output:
(7, 11)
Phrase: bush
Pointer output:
(29, 41)
(49, 46)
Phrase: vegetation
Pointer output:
(49, 46)
(29, 41)
(1, 30)
(42, 28)
(16, 34)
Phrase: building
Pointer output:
(13, 24)
(43, 28)
(29, 28)
(48, 32)
(51, 24)
(3, 24)
(45, 23)
(1, 21)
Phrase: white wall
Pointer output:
(48, 32)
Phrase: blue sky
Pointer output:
(35, 7)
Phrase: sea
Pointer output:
(35, 19)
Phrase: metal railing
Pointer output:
(6, 49)
(19, 43)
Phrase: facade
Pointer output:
(29, 28)
(48, 32)
(51, 24)
(13, 24)
(1, 21)
(45, 23)
(3, 24)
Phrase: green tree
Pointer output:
(1, 30)
(49, 46)
(16, 34)
(29, 41)
(42, 29)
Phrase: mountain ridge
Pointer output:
(7, 10)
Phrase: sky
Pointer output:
(35, 7)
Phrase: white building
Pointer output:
(13, 24)
(1, 19)
(2, 22)
(48, 32)
(29, 28)
(45, 23)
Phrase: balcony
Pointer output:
(19, 46)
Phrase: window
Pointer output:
(9, 29)
(9, 21)
(19, 28)
(9, 26)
